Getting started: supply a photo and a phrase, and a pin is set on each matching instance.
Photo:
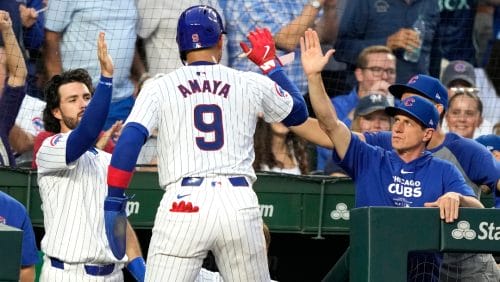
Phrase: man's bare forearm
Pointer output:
(53, 63)
(16, 66)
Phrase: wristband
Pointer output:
(137, 267)
(270, 66)
(277, 68)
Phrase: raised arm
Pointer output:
(85, 134)
(313, 62)
(16, 66)
(52, 53)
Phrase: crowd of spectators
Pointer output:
(460, 45)
(56, 35)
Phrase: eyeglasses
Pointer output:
(461, 90)
(377, 71)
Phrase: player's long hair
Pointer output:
(53, 99)
(296, 148)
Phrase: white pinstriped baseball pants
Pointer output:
(228, 223)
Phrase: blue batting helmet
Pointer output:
(198, 27)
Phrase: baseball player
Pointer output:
(406, 176)
(71, 178)
(206, 115)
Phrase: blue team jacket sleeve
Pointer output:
(299, 112)
(85, 134)
(479, 164)
(381, 139)
(353, 162)
(10, 103)
(455, 182)
(29, 251)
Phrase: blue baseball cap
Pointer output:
(490, 141)
(423, 85)
(417, 107)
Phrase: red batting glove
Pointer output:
(263, 52)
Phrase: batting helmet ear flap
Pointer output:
(198, 27)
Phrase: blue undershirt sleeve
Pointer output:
(85, 134)
(124, 158)
(127, 150)
(299, 113)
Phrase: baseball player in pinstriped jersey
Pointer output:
(71, 177)
(206, 115)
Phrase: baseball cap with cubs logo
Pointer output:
(423, 85)
(418, 108)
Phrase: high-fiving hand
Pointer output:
(313, 60)
(104, 58)
(263, 51)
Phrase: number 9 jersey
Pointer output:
(206, 115)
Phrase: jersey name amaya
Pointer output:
(206, 86)
(197, 120)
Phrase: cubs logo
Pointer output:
(55, 139)
(408, 102)
(37, 124)
(413, 79)
(195, 38)
(280, 91)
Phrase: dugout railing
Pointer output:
(316, 205)
(380, 238)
